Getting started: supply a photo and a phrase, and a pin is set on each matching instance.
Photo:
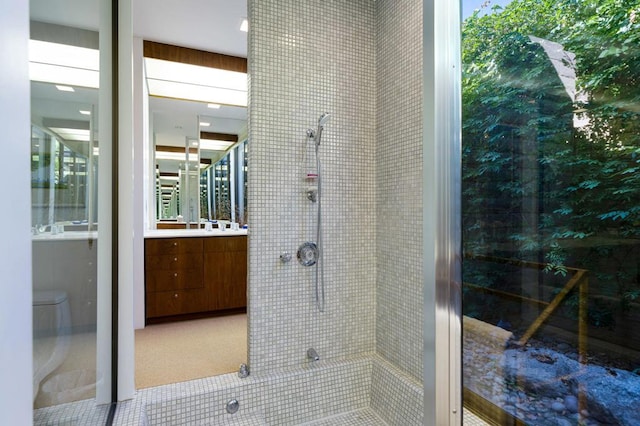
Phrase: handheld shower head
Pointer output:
(323, 119)
(321, 122)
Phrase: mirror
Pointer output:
(205, 184)
(199, 146)
(223, 182)
(64, 131)
(62, 175)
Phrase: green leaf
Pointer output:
(614, 215)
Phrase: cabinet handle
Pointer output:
(175, 244)
(175, 259)
(175, 296)
(175, 274)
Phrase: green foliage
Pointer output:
(535, 183)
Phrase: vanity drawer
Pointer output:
(174, 261)
(173, 279)
(225, 244)
(166, 303)
(155, 246)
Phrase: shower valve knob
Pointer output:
(285, 257)
(308, 254)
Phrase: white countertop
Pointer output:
(174, 233)
(66, 236)
(151, 233)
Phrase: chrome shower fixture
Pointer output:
(316, 135)
(243, 371)
(308, 254)
(312, 354)
(311, 134)
(311, 254)
(323, 119)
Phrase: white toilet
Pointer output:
(51, 333)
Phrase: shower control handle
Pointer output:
(285, 257)
(308, 254)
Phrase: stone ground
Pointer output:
(544, 384)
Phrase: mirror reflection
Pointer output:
(199, 144)
(63, 157)
(64, 63)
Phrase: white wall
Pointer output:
(297, 72)
(16, 394)
(142, 172)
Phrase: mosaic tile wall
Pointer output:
(397, 396)
(297, 396)
(399, 184)
(307, 58)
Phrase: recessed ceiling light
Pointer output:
(245, 25)
(64, 88)
(71, 134)
(213, 106)
(214, 145)
(176, 156)
(63, 64)
(205, 124)
(197, 83)
(85, 112)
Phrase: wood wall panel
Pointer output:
(187, 55)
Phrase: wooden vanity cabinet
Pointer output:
(225, 270)
(173, 277)
(193, 275)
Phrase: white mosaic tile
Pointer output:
(399, 307)
(288, 397)
(395, 395)
(307, 58)
(79, 413)
(365, 417)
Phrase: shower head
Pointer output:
(317, 134)
(323, 119)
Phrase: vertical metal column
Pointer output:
(441, 213)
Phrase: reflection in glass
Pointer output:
(60, 181)
(551, 212)
(223, 187)
(64, 175)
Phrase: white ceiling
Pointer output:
(211, 25)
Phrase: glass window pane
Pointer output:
(551, 210)
(64, 65)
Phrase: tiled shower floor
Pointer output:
(353, 418)
(368, 417)
(85, 412)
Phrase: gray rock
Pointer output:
(571, 402)
(539, 378)
(557, 406)
(612, 395)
